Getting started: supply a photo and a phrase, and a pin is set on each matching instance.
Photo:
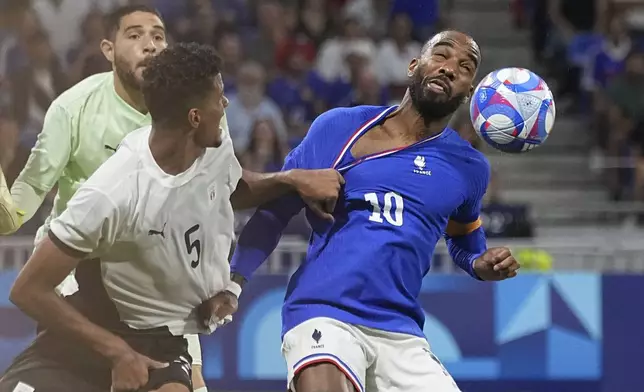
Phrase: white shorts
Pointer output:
(373, 360)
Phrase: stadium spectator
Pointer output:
(265, 152)
(33, 87)
(272, 31)
(199, 23)
(358, 56)
(394, 54)
(230, 48)
(572, 19)
(37, 84)
(611, 55)
(86, 59)
(315, 23)
(13, 52)
(627, 90)
(607, 63)
(299, 91)
(9, 134)
(249, 104)
(334, 62)
(62, 20)
(366, 90)
(427, 16)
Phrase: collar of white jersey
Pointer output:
(152, 167)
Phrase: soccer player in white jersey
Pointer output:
(85, 124)
(149, 235)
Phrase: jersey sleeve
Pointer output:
(466, 218)
(90, 222)
(262, 233)
(10, 217)
(464, 235)
(52, 151)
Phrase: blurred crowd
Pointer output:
(286, 61)
(594, 50)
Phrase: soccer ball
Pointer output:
(513, 110)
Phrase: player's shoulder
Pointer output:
(76, 97)
(118, 174)
(474, 158)
(133, 141)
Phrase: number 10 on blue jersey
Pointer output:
(391, 210)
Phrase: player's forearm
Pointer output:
(27, 199)
(255, 189)
(53, 312)
(34, 292)
(465, 249)
(260, 238)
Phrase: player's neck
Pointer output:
(131, 96)
(414, 125)
(173, 150)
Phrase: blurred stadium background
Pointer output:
(571, 210)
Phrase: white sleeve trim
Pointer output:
(234, 288)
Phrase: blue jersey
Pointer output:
(367, 267)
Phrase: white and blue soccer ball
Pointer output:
(513, 110)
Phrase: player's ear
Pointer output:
(469, 95)
(107, 47)
(412, 67)
(194, 118)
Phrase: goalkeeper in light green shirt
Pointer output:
(84, 126)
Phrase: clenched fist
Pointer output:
(319, 189)
(496, 264)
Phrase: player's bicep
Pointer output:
(90, 222)
(467, 218)
(51, 152)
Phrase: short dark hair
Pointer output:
(177, 79)
(113, 19)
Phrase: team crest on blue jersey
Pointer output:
(420, 164)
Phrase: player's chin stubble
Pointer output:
(430, 105)
(125, 73)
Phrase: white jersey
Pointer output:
(163, 240)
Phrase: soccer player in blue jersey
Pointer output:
(351, 319)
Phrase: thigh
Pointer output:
(324, 353)
(173, 388)
(31, 373)
(176, 377)
(405, 363)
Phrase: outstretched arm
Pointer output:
(319, 188)
(264, 230)
(261, 235)
(466, 238)
(46, 162)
